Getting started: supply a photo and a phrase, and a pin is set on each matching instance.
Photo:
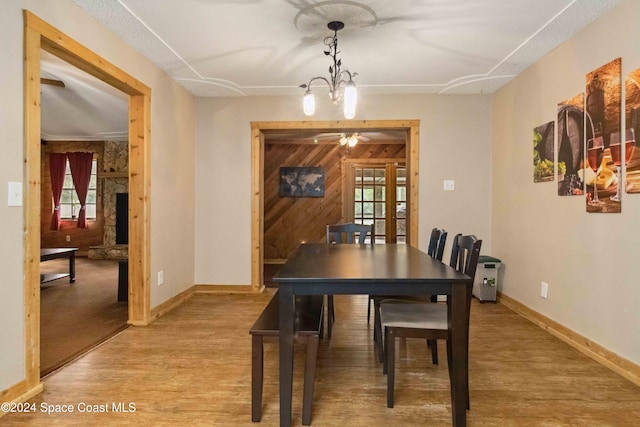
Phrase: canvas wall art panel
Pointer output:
(631, 152)
(570, 146)
(603, 108)
(543, 153)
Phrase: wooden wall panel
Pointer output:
(289, 221)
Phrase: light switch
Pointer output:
(449, 185)
(15, 194)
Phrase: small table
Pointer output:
(48, 254)
(321, 269)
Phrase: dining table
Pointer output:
(381, 269)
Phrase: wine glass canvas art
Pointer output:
(570, 146)
(602, 131)
(632, 124)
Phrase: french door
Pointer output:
(376, 193)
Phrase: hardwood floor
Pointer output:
(193, 366)
(76, 317)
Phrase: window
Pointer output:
(380, 198)
(69, 203)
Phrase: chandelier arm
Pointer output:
(320, 78)
(347, 72)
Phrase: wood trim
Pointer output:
(348, 176)
(119, 174)
(257, 209)
(170, 304)
(227, 289)
(39, 34)
(413, 148)
(64, 47)
(336, 126)
(139, 211)
(617, 364)
(32, 151)
(412, 127)
(390, 204)
(19, 392)
(275, 261)
(381, 161)
(183, 296)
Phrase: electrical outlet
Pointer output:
(67, 238)
(544, 290)
(449, 185)
(160, 277)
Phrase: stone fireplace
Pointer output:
(114, 177)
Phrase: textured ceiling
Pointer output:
(269, 47)
(85, 109)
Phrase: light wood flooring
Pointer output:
(192, 367)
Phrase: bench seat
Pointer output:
(308, 329)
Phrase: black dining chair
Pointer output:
(435, 249)
(437, 241)
(345, 233)
(426, 320)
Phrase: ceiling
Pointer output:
(84, 109)
(270, 47)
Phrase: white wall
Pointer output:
(11, 243)
(455, 134)
(172, 165)
(589, 260)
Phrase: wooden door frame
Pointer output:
(40, 35)
(258, 129)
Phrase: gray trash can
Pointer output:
(486, 281)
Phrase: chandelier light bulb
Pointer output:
(350, 100)
(309, 103)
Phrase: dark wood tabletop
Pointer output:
(321, 269)
(47, 254)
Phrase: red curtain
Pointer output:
(57, 166)
(80, 165)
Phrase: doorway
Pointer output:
(376, 193)
(410, 129)
(41, 35)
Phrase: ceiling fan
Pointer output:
(345, 139)
(52, 82)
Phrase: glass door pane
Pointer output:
(401, 204)
(376, 190)
(369, 199)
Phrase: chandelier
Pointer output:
(349, 94)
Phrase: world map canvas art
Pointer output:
(301, 182)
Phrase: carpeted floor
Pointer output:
(75, 317)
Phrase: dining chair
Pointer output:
(345, 233)
(435, 249)
(427, 320)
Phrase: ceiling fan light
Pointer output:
(344, 140)
(309, 104)
(353, 140)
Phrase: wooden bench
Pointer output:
(308, 328)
